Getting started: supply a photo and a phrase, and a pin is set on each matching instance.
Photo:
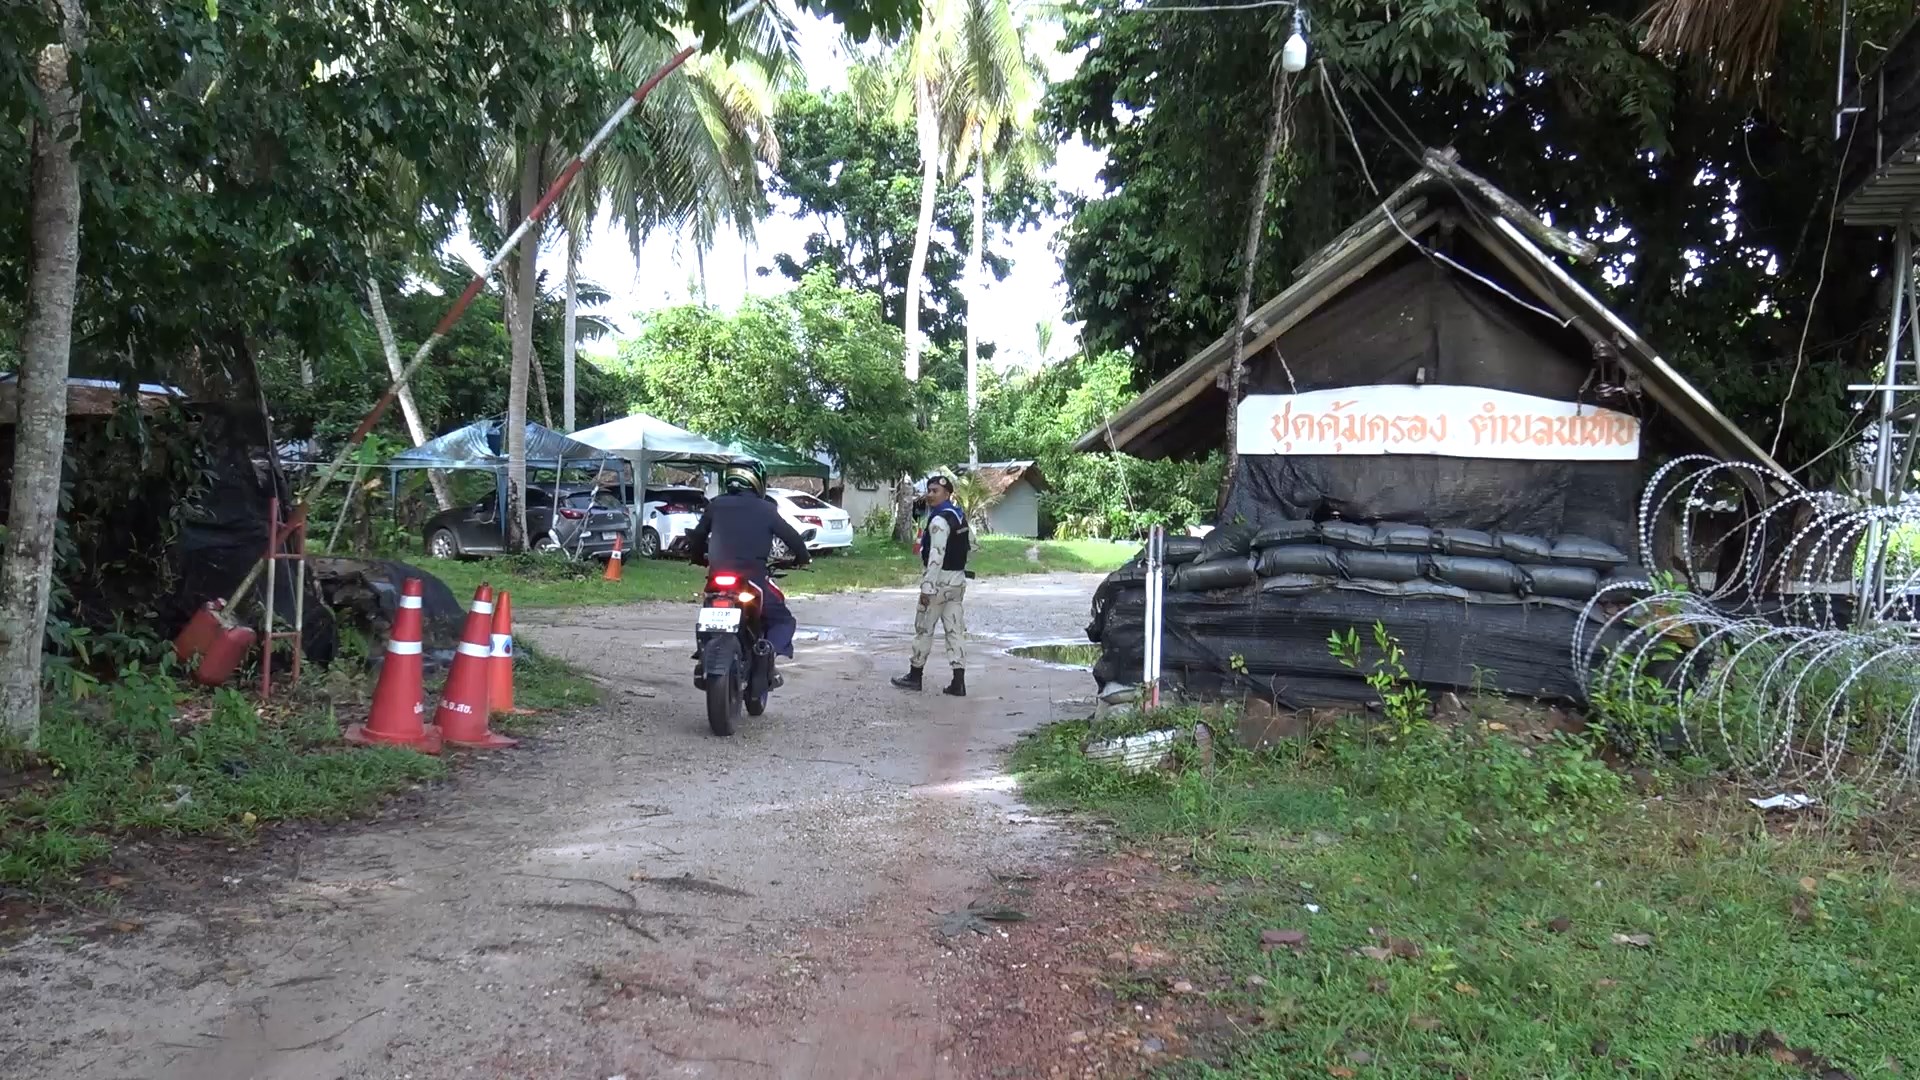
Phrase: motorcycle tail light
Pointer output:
(725, 581)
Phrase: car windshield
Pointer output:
(605, 500)
(808, 502)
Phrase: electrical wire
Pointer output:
(1393, 213)
(1806, 326)
(1210, 7)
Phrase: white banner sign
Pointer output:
(1450, 421)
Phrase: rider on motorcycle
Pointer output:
(736, 534)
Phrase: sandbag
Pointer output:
(1296, 584)
(1350, 535)
(1179, 550)
(1301, 559)
(1207, 575)
(1562, 582)
(1385, 565)
(1586, 551)
(1471, 543)
(1479, 575)
(1227, 542)
(1627, 582)
(1398, 537)
(1409, 590)
(1520, 548)
(1277, 533)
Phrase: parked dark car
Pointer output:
(586, 524)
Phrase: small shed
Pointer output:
(1012, 507)
(1441, 432)
(90, 397)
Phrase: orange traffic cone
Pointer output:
(500, 663)
(397, 700)
(462, 716)
(615, 561)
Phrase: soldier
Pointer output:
(944, 546)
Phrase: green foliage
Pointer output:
(847, 163)
(1709, 211)
(1505, 914)
(1404, 703)
(132, 759)
(815, 369)
(1038, 415)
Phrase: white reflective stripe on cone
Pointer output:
(474, 650)
(410, 601)
(403, 648)
(503, 645)
(482, 607)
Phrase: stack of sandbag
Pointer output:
(1402, 560)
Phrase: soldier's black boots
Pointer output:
(958, 687)
(909, 681)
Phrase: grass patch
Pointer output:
(146, 755)
(549, 581)
(1546, 924)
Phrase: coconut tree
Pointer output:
(994, 89)
(689, 160)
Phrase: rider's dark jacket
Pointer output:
(738, 531)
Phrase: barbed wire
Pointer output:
(1782, 650)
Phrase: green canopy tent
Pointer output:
(779, 460)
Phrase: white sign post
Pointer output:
(1447, 421)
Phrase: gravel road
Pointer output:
(625, 895)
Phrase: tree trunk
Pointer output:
(567, 387)
(1278, 130)
(976, 270)
(519, 291)
(46, 342)
(928, 126)
(306, 371)
(538, 370)
(382, 326)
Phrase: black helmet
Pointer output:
(744, 476)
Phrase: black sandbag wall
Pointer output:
(1466, 612)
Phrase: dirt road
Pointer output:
(624, 896)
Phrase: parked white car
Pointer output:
(825, 526)
(665, 519)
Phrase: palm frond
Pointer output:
(1735, 39)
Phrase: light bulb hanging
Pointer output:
(1293, 55)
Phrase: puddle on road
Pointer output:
(1063, 653)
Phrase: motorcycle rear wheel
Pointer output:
(721, 665)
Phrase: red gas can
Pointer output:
(218, 660)
(199, 633)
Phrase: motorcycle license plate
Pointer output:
(719, 618)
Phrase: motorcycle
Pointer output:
(735, 660)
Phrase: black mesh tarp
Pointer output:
(1248, 640)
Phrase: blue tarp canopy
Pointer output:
(483, 445)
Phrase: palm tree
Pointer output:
(690, 159)
(991, 113)
(925, 68)
(1735, 38)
